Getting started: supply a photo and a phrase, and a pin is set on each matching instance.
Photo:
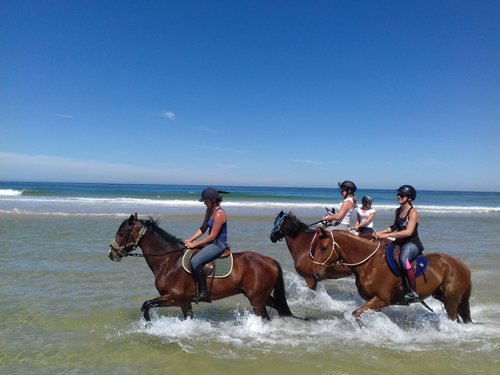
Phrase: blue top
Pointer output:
(222, 236)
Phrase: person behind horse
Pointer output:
(213, 245)
(365, 216)
(405, 232)
(342, 219)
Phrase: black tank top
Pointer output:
(400, 224)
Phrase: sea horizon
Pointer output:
(333, 187)
(119, 199)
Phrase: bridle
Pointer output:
(333, 251)
(277, 227)
(278, 233)
(126, 249)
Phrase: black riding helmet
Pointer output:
(348, 185)
(409, 191)
(366, 199)
(209, 194)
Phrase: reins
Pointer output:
(157, 254)
(334, 243)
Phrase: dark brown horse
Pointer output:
(298, 237)
(447, 278)
(257, 276)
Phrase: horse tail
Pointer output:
(281, 305)
(464, 307)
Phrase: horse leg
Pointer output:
(259, 306)
(187, 311)
(451, 307)
(464, 307)
(311, 282)
(451, 298)
(146, 306)
(260, 310)
(165, 301)
(375, 303)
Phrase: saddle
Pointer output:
(219, 268)
(419, 265)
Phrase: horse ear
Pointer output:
(131, 220)
(318, 230)
(135, 216)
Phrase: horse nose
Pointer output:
(113, 256)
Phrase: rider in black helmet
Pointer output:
(405, 232)
(365, 215)
(342, 219)
(213, 245)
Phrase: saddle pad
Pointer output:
(420, 263)
(223, 266)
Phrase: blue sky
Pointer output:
(265, 93)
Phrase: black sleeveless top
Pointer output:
(400, 224)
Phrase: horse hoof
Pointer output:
(360, 322)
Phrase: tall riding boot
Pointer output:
(201, 281)
(411, 283)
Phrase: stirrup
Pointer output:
(202, 297)
(411, 296)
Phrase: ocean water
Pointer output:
(108, 199)
(66, 308)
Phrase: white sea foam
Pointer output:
(15, 196)
(10, 193)
(402, 328)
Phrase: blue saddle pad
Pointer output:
(421, 262)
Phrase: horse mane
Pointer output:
(171, 239)
(293, 226)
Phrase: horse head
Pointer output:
(276, 233)
(323, 252)
(287, 224)
(127, 238)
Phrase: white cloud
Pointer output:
(305, 161)
(169, 116)
(227, 166)
(24, 167)
(63, 115)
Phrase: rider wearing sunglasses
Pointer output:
(405, 232)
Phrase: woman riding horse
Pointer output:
(447, 278)
(298, 237)
(257, 276)
(211, 246)
(405, 232)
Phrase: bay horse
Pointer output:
(298, 237)
(447, 278)
(258, 277)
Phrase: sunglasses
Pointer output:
(402, 195)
